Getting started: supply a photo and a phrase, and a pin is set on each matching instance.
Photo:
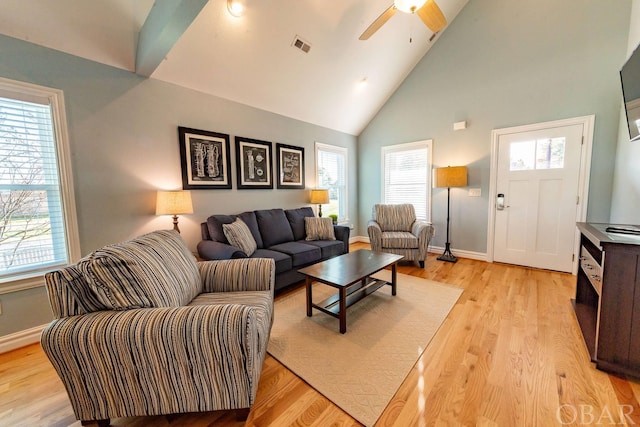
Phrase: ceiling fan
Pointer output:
(428, 12)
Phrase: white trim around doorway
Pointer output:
(588, 123)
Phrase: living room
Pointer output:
(498, 64)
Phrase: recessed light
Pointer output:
(235, 8)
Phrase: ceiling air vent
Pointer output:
(301, 44)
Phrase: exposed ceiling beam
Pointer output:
(167, 21)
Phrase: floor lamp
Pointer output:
(451, 176)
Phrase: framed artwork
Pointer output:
(205, 158)
(290, 162)
(253, 160)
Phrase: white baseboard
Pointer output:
(20, 339)
(480, 256)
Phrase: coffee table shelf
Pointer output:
(355, 293)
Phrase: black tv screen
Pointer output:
(630, 76)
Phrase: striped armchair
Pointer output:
(141, 328)
(395, 229)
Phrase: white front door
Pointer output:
(537, 189)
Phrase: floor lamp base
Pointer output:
(447, 255)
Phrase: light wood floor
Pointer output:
(509, 354)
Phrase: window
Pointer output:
(537, 154)
(331, 173)
(407, 176)
(38, 229)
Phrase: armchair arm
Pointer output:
(210, 249)
(159, 360)
(247, 274)
(424, 232)
(375, 235)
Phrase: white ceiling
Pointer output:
(250, 59)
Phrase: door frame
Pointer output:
(587, 123)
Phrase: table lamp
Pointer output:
(319, 197)
(174, 203)
(455, 176)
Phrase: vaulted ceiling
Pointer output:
(249, 59)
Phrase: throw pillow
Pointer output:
(239, 235)
(153, 270)
(319, 228)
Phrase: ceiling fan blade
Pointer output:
(432, 16)
(379, 22)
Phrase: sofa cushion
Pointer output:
(153, 270)
(249, 218)
(399, 240)
(274, 227)
(296, 219)
(300, 253)
(329, 248)
(282, 260)
(319, 229)
(214, 224)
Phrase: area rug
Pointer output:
(361, 370)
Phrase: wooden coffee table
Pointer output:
(349, 273)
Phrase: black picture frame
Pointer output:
(290, 166)
(253, 164)
(205, 158)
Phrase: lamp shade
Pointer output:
(319, 197)
(451, 176)
(174, 203)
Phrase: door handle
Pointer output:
(500, 202)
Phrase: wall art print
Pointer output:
(253, 160)
(290, 162)
(205, 158)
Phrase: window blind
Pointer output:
(32, 233)
(332, 175)
(407, 177)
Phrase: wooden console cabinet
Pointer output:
(607, 303)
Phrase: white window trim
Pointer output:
(428, 144)
(319, 146)
(58, 115)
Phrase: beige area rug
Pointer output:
(361, 370)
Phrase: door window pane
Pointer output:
(522, 155)
(550, 153)
(537, 154)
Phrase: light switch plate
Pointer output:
(475, 192)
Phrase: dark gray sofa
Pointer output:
(280, 235)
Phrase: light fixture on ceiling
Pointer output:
(236, 7)
(409, 6)
(427, 10)
(362, 83)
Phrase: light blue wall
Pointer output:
(625, 205)
(124, 146)
(504, 63)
